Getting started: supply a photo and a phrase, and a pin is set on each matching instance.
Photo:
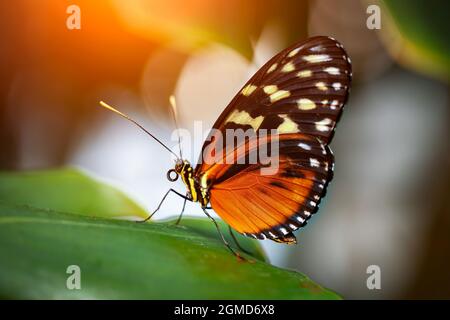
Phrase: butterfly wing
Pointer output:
(308, 81)
(300, 93)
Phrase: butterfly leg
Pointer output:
(182, 210)
(162, 200)
(221, 235)
(237, 242)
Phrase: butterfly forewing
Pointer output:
(301, 89)
(299, 93)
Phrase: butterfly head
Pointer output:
(182, 168)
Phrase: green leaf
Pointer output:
(128, 260)
(66, 190)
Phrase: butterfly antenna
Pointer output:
(173, 104)
(107, 106)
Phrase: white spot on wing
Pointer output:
(287, 126)
(315, 58)
(248, 90)
(314, 162)
(304, 146)
(244, 118)
(293, 52)
(332, 70)
(272, 67)
(306, 104)
(280, 94)
(323, 125)
(316, 48)
(304, 73)
(270, 89)
(337, 86)
(321, 86)
(288, 67)
(334, 104)
(276, 94)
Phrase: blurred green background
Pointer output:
(388, 204)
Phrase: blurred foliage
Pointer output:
(122, 259)
(193, 23)
(424, 26)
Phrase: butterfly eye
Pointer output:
(172, 175)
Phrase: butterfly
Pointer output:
(299, 94)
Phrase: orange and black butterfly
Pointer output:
(300, 93)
